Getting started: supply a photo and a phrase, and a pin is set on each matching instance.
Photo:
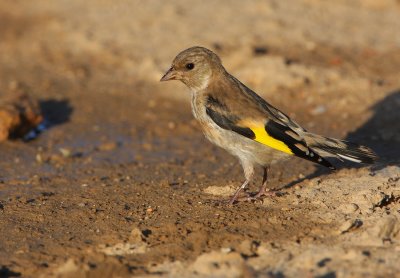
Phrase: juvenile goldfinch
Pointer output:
(235, 118)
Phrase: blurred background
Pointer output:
(92, 70)
(323, 60)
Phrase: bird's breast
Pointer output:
(210, 129)
(198, 107)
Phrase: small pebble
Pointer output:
(226, 250)
(65, 152)
(39, 158)
(349, 225)
(260, 50)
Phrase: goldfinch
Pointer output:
(238, 120)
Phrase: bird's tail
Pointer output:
(341, 149)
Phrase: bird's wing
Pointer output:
(252, 117)
(272, 112)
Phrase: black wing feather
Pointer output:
(227, 123)
(299, 148)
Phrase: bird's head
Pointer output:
(195, 67)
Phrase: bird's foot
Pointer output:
(261, 195)
(235, 199)
(248, 197)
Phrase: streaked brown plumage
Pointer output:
(235, 118)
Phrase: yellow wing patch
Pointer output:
(264, 138)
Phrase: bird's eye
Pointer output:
(190, 66)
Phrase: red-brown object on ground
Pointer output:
(19, 113)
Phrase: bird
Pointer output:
(235, 118)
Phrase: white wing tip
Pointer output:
(349, 158)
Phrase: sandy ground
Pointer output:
(123, 182)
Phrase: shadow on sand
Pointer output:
(56, 112)
(381, 133)
(6, 272)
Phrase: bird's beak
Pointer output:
(171, 74)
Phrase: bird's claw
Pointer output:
(260, 196)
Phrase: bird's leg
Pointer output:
(248, 169)
(237, 192)
(263, 189)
